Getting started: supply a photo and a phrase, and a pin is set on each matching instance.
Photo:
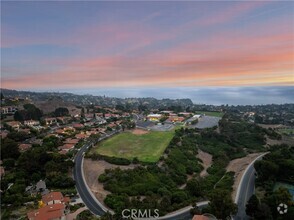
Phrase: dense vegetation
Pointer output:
(165, 186)
(112, 160)
(156, 186)
(39, 162)
(61, 111)
(277, 166)
(30, 112)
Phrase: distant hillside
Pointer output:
(56, 98)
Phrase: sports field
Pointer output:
(147, 146)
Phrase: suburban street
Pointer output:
(88, 198)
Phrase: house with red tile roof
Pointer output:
(4, 134)
(78, 125)
(59, 131)
(14, 124)
(98, 115)
(81, 136)
(63, 152)
(48, 212)
(204, 217)
(71, 141)
(107, 116)
(54, 198)
(53, 207)
(175, 119)
(25, 130)
(24, 147)
(66, 147)
(63, 119)
(112, 125)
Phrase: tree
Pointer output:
(9, 149)
(83, 112)
(179, 196)
(193, 187)
(120, 107)
(18, 136)
(165, 202)
(8, 163)
(266, 169)
(32, 112)
(252, 206)
(87, 215)
(281, 195)
(51, 143)
(59, 112)
(263, 212)
(221, 204)
(18, 116)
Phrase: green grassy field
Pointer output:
(146, 147)
(215, 114)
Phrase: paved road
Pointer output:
(183, 214)
(86, 195)
(245, 190)
(81, 184)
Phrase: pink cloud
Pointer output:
(231, 13)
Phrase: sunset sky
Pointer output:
(120, 47)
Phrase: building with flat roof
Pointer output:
(154, 117)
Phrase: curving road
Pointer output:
(85, 193)
(246, 190)
(81, 186)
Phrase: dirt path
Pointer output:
(74, 215)
(238, 166)
(139, 131)
(92, 170)
(206, 161)
(188, 178)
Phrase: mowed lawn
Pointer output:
(146, 147)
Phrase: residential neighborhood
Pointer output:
(42, 146)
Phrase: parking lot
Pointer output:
(206, 122)
(162, 127)
(154, 127)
